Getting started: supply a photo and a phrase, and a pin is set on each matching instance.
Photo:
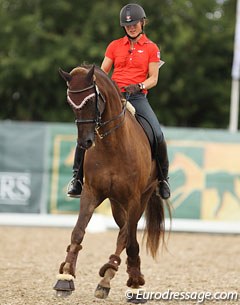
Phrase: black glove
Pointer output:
(132, 89)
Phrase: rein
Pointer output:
(98, 120)
(103, 135)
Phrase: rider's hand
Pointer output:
(132, 89)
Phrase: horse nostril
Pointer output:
(89, 143)
(85, 144)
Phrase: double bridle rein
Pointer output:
(98, 119)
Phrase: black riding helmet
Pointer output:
(131, 14)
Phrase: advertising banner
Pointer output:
(22, 167)
(63, 143)
(36, 166)
(204, 174)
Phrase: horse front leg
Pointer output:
(108, 270)
(65, 284)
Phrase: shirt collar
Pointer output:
(141, 41)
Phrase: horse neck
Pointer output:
(112, 97)
(113, 108)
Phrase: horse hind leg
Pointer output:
(136, 278)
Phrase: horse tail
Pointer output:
(155, 223)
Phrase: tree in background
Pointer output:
(195, 38)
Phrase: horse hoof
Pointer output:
(64, 288)
(63, 293)
(101, 292)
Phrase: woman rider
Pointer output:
(135, 60)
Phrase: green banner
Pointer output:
(204, 173)
(36, 166)
(63, 143)
(22, 167)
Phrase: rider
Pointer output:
(136, 61)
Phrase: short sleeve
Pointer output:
(110, 50)
(154, 54)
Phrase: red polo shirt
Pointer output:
(131, 66)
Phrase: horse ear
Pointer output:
(66, 76)
(90, 76)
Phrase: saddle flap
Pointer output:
(149, 133)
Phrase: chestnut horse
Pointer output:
(118, 165)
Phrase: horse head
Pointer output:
(83, 97)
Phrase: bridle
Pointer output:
(98, 118)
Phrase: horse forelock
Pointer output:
(78, 70)
(78, 76)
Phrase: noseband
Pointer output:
(98, 119)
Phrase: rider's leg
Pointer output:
(75, 185)
(143, 108)
(163, 165)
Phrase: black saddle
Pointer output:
(149, 133)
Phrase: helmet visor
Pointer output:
(132, 22)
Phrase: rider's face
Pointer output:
(134, 30)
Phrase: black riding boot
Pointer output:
(76, 183)
(163, 165)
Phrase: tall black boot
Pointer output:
(76, 183)
(163, 165)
